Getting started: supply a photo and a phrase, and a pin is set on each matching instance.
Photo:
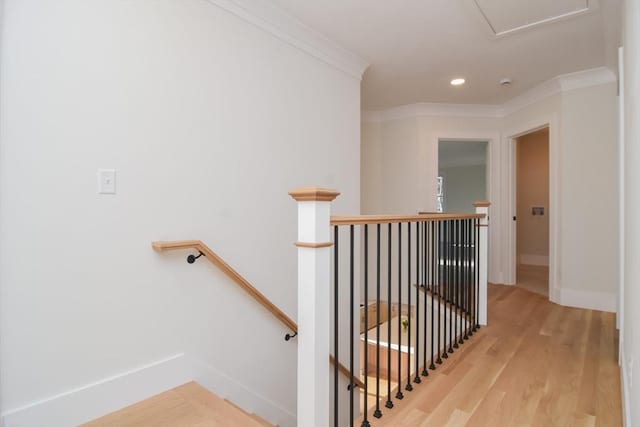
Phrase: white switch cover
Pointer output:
(106, 181)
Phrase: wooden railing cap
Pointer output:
(313, 194)
(482, 204)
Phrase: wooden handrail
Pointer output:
(390, 219)
(346, 372)
(245, 285)
(231, 273)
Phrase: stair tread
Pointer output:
(189, 405)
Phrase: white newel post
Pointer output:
(483, 247)
(314, 265)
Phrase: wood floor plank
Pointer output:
(535, 364)
(189, 405)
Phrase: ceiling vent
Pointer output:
(505, 17)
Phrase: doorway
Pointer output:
(462, 174)
(532, 211)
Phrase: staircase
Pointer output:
(189, 405)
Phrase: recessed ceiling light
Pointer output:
(457, 82)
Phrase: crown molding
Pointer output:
(536, 94)
(586, 78)
(554, 86)
(432, 110)
(290, 30)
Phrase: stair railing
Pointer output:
(238, 279)
(416, 284)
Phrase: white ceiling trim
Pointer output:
(283, 26)
(536, 94)
(561, 83)
(586, 78)
(432, 110)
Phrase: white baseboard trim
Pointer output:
(91, 401)
(603, 301)
(534, 259)
(250, 401)
(94, 400)
(626, 408)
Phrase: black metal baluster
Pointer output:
(424, 288)
(463, 282)
(365, 409)
(445, 283)
(472, 276)
(477, 325)
(469, 272)
(451, 285)
(351, 328)
(456, 269)
(433, 282)
(461, 268)
(335, 325)
(439, 280)
(409, 387)
(459, 274)
(399, 394)
(377, 413)
(416, 352)
(445, 286)
(389, 403)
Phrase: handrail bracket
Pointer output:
(192, 258)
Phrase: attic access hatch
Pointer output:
(505, 17)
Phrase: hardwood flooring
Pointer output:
(534, 278)
(535, 364)
(189, 405)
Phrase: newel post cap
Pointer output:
(482, 204)
(313, 194)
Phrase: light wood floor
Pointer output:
(535, 364)
(189, 405)
(534, 278)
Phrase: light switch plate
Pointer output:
(106, 181)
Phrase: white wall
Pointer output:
(385, 150)
(209, 121)
(583, 133)
(588, 190)
(631, 332)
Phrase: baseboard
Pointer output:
(534, 259)
(603, 301)
(250, 401)
(91, 401)
(626, 408)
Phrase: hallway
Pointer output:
(534, 278)
(535, 364)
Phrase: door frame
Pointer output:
(493, 138)
(554, 208)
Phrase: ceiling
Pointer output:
(415, 47)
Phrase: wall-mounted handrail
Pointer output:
(245, 285)
(231, 273)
